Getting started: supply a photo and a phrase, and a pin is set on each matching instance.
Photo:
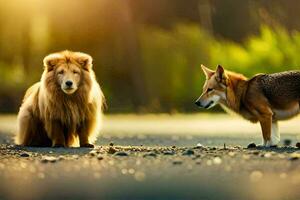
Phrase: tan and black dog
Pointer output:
(264, 98)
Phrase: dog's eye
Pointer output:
(209, 89)
(61, 72)
(76, 72)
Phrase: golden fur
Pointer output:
(53, 114)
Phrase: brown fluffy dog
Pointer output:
(64, 107)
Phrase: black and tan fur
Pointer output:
(264, 98)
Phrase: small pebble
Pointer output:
(61, 158)
(177, 162)
(150, 154)
(169, 153)
(267, 155)
(188, 152)
(298, 144)
(111, 144)
(238, 147)
(112, 150)
(24, 154)
(93, 153)
(121, 153)
(199, 146)
(99, 157)
(294, 156)
(251, 146)
(46, 159)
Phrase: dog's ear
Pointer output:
(221, 75)
(85, 61)
(208, 72)
(50, 61)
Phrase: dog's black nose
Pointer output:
(198, 103)
(69, 83)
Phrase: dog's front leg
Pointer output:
(275, 135)
(83, 133)
(56, 133)
(266, 127)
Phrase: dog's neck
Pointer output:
(235, 91)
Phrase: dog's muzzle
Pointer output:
(198, 103)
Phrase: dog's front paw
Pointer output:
(87, 145)
(269, 144)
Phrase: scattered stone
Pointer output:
(93, 153)
(169, 153)
(121, 153)
(177, 162)
(150, 154)
(46, 159)
(294, 156)
(251, 146)
(238, 147)
(174, 147)
(112, 150)
(199, 146)
(188, 152)
(298, 145)
(24, 154)
(287, 142)
(267, 155)
(99, 157)
(111, 144)
(61, 158)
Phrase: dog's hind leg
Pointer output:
(275, 134)
(25, 128)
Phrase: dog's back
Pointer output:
(280, 88)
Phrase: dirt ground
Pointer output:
(155, 157)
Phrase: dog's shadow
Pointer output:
(284, 149)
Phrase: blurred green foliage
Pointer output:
(147, 53)
(170, 60)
